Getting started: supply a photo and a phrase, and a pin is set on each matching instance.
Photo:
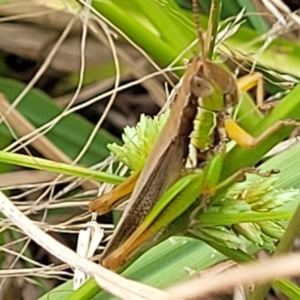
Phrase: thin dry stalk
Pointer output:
(111, 282)
(259, 272)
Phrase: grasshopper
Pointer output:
(204, 83)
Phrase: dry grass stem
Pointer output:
(111, 282)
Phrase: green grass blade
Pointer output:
(162, 51)
(290, 289)
(60, 168)
(165, 264)
(69, 134)
(216, 219)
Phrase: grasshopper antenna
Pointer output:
(195, 7)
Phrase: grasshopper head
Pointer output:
(200, 84)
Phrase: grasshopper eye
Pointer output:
(201, 87)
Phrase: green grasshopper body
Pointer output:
(167, 159)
